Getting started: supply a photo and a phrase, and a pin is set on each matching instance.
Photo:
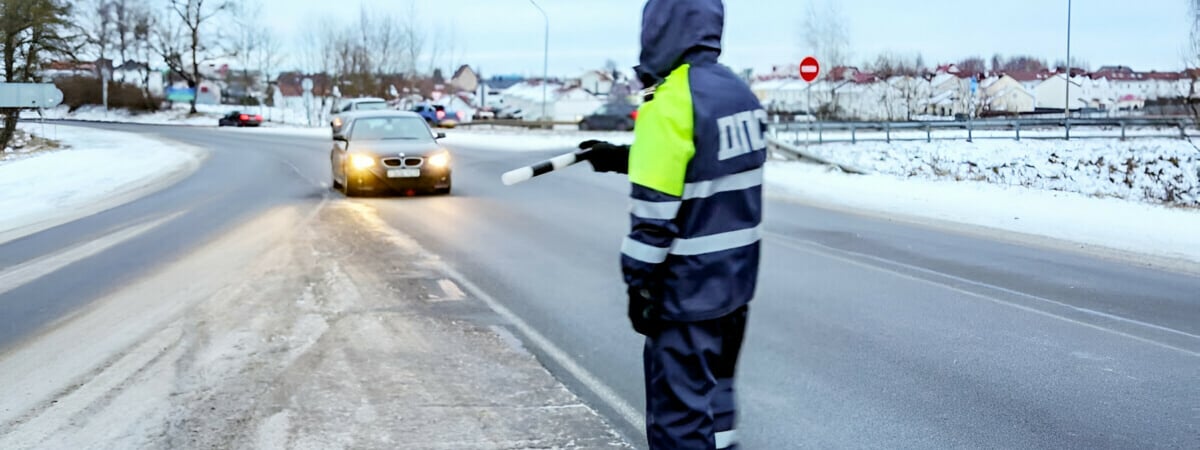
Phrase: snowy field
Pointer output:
(1165, 171)
(93, 171)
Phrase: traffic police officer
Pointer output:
(691, 258)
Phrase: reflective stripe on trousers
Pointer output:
(712, 243)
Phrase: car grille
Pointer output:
(411, 162)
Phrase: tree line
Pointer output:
(376, 52)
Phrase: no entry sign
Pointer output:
(809, 69)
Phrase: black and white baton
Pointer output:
(556, 163)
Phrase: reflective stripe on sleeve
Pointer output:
(642, 252)
(655, 210)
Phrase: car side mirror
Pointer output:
(340, 138)
(441, 135)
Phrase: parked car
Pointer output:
(510, 113)
(484, 114)
(388, 151)
(342, 107)
(613, 116)
(240, 119)
(438, 115)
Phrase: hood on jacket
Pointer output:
(673, 28)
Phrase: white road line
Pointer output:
(627, 412)
(22, 274)
(1007, 290)
(451, 290)
(829, 252)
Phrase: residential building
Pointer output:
(1006, 95)
(465, 79)
(597, 82)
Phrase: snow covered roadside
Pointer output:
(1152, 170)
(207, 115)
(96, 170)
(1133, 230)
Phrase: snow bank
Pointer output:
(206, 117)
(1149, 170)
(96, 170)
(1103, 222)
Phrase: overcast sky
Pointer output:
(505, 36)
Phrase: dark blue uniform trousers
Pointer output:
(689, 383)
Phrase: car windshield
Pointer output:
(371, 106)
(389, 128)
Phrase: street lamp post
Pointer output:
(1067, 105)
(545, 57)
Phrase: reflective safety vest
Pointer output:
(696, 167)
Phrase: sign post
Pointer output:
(29, 95)
(810, 69)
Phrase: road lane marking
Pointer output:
(625, 411)
(451, 290)
(22, 274)
(830, 252)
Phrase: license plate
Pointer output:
(404, 173)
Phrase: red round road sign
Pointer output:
(809, 69)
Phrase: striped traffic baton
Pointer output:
(556, 163)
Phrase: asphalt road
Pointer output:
(866, 333)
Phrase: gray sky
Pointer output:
(505, 36)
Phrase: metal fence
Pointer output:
(1015, 129)
(517, 123)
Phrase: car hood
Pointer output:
(395, 148)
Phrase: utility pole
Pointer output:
(545, 58)
(1067, 105)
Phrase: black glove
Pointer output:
(643, 315)
(606, 157)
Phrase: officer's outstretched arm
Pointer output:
(658, 161)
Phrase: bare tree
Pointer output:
(972, 66)
(143, 25)
(31, 31)
(97, 24)
(825, 33)
(196, 18)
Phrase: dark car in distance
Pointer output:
(240, 119)
(438, 115)
(377, 152)
(611, 117)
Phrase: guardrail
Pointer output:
(543, 125)
(853, 132)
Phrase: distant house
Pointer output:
(1051, 93)
(1006, 94)
(597, 82)
(63, 69)
(465, 79)
(782, 94)
(563, 103)
(948, 94)
(136, 73)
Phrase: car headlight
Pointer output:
(440, 160)
(361, 162)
